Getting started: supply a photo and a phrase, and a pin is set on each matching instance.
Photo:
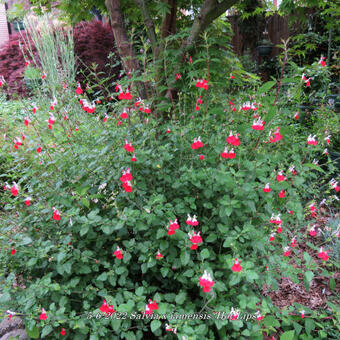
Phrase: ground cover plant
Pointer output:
(113, 216)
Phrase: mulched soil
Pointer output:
(319, 290)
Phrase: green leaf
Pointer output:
(5, 297)
(205, 253)
(185, 257)
(84, 230)
(155, 324)
(33, 333)
(271, 321)
(266, 86)
(180, 298)
(46, 330)
(102, 277)
(85, 202)
(309, 325)
(309, 276)
(26, 240)
(139, 291)
(332, 283)
(287, 335)
(164, 271)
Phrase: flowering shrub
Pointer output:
(113, 212)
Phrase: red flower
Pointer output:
(178, 76)
(293, 242)
(323, 254)
(236, 267)
(231, 76)
(266, 188)
(197, 143)
(282, 194)
(201, 157)
(206, 282)
(233, 139)
(322, 61)
(118, 253)
(199, 100)
(43, 315)
(152, 305)
(105, 308)
(56, 214)
(203, 84)
(168, 130)
(148, 310)
(279, 229)
(195, 239)
(147, 110)
(15, 189)
(197, 108)
(311, 140)
(296, 116)
(124, 115)
(28, 201)
(127, 186)
(192, 221)
(119, 122)
(63, 332)
(280, 177)
(286, 252)
(159, 255)
(133, 158)
(13, 251)
(26, 121)
(334, 185)
(128, 146)
(258, 124)
(39, 149)
(272, 237)
(79, 89)
(225, 153)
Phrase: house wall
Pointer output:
(4, 36)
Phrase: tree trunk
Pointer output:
(119, 32)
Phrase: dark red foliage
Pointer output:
(12, 65)
(93, 42)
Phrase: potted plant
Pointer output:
(265, 46)
(15, 16)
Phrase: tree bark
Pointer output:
(169, 22)
(210, 10)
(124, 47)
(123, 44)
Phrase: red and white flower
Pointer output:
(158, 255)
(312, 231)
(192, 221)
(15, 189)
(328, 139)
(202, 83)
(293, 242)
(272, 237)
(105, 308)
(128, 146)
(197, 143)
(280, 176)
(195, 238)
(28, 201)
(334, 184)
(234, 140)
(267, 188)
(118, 253)
(286, 251)
(170, 329)
(275, 219)
(43, 315)
(323, 254)
(311, 140)
(206, 282)
(56, 214)
(236, 266)
(322, 61)
(258, 124)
